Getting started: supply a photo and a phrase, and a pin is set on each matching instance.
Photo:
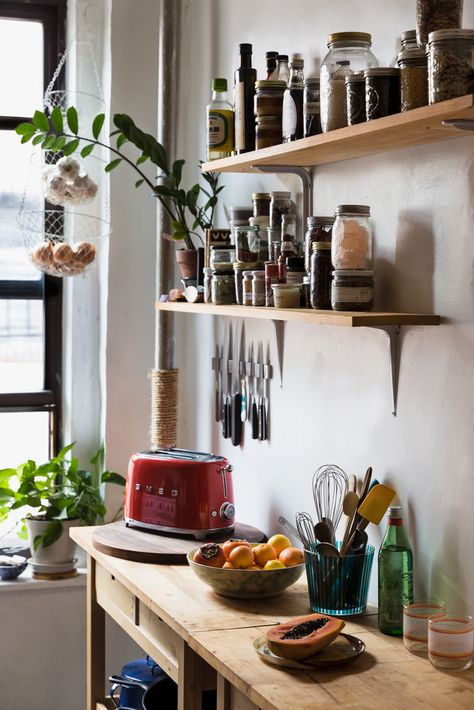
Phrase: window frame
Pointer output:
(52, 15)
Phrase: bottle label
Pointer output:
(312, 108)
(351, 295)
(290, 117)
(239, 116)
(220, 130)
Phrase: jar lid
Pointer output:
(349, 37)
(352, 272)
(281, 195)
(296, 62)
(450, 34)
(271, 120)
(382, 71)
(295, 262)
(282, 57)
(258, 273)
(286, 287)
(316, 221)
(244, 265)
(271, 55)
(261, 196)
(412, 55)
(408, 36)
(223, 272)
(321, 245)
(312, 81)
(241, 212)
(218, 247)
(245, 48)
(395, 511)
(246, 228)
(353, 209)
(270, 84)
(219, 84)
(353, 78)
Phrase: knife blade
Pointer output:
(226, 421)
(218, 387)
(236, 397)
(253, 407)
(261, 399)
(243, 378)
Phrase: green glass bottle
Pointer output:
(395, 574)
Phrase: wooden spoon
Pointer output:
(323, 532)
(349, 507)
(328, 550)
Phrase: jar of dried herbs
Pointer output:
(413, 64)
(432, 15)
(223, 288)
(382, 92)
(450, 64)
(318, 229)
(355, 98)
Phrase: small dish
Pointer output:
(41, 568)
(9, 571)
(343, 650)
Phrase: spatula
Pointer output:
(375, 504)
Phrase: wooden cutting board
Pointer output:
(117, 540)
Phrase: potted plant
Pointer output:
(191, 211)
(58, 494)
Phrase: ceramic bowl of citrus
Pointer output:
(246, 570)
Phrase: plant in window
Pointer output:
(55, 492)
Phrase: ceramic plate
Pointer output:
(53, 569)
(344, 649)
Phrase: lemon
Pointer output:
(279, 542)
(274, 564)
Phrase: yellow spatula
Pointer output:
(375, 504)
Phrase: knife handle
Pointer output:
(254, 419)
(226, 419)
(236, 423)
(217, 404)
(264, 420)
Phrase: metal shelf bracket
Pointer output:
(464, 124)
(306, 176)
(280, 341)
(393, 333)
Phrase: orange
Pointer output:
(279, 542)
(262, 553)
(241, 557)
(227, 565)
(229, 545)
(273, 564)
(291, 556)
(254, 568)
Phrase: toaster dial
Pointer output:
(227, 511)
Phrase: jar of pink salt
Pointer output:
(351, 246)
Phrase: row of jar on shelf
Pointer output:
(269, 266)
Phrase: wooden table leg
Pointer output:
(190, 676)
(95, 641)
(223, 693)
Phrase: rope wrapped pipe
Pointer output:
(164, 408)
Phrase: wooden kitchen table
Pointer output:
(201, 639)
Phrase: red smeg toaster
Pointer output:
(179, 491)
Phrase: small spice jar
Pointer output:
(355, 97)
(413, 64)
(267, 131)
(239, 268)
(247, 243)
(207, 271)
(318, 229)
(352, 290)
(247, 288)
(223, 288)
(286, 295)
(311, 107)
(295, 271)
(321, 273)
(258, 288)
(261, 204)
(221, 257)
(288, 233)
(351, 246)
(268, 98)
(271, 278)
(450, 64)
(280, 204)
(382, 92)
(432, 15)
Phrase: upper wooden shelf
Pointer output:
(422, 125)
(349, 319)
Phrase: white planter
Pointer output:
(60, 552)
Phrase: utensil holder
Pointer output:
(339, 585)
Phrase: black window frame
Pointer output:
(52, 15)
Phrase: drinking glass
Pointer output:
(415, 623)
(451, 642)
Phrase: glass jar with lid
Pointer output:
(261, 204)
(351, 246)
(382, 92)
(312, 107)
(355, 98)
(247, 288)
(223, 287)
(348, 52)
(268, 99)
(321, 271)
(413, 64)
(247, 243)
(352, 290)
(258, 288)
(450, 64)
(280, 204)
(432, 15)
(318, 229)
(221, 256)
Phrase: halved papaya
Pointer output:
(303, 636)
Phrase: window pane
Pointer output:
(21, 346)
(21, 59)
(20, 173)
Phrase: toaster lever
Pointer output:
(223, 470)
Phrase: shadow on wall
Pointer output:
(448, 580)
(407, 284)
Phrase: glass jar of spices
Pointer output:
(261, 204)
(221, 256)
(352, 238)
(321, 271)
(413, 64)
(271, 277)
(223, 288)
(312, 107)
(239, 268)
(207, 271)
(318, 229)
(247, 243)
(348, 52)
(268, 99)
(432, 15)
(450, 64)
(280, 204)
(247, 288)
(267, 131)
(258, 288)
(352, 290)
(382, 92)
(355, 97)
(295, 270)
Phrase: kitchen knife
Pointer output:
(243, 378)
(226, 404)
(253, 408)
(236, 397)
(218, 387)
(262, 424)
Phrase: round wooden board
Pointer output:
(118, 540)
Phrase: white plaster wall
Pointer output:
(335, 404)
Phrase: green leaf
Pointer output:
(72, 119)
(158, 156)
(49, 141)
(162, 191)
(87, 150)
(71, 147)
(121, 140)
(57, 119)
(51, 533)
(24, 129)
(97, 125)
(59, 143)
(113, 164)
(27, 137)
(137, 137)
(139, 182)
(41, 121)
(178, 231)
(178, 171)
(112, 477)
(142, 159)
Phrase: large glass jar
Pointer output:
(450, 64)
(382, 92)
(247, 243)
(413, 65)
(352, 238)
(432, 15)
(348, 52)
(318, 229)
(223, 288)
(280, 204)
(311, 107)
(321, 271)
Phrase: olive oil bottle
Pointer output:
(220, 122)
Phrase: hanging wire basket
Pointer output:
(62, 243)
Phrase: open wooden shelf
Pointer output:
(348, 319)
(422, 125)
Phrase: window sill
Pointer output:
(27, 583)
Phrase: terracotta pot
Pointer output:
(187, 262)
(60, 552)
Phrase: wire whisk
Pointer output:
(305, 527)
(330, 485)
